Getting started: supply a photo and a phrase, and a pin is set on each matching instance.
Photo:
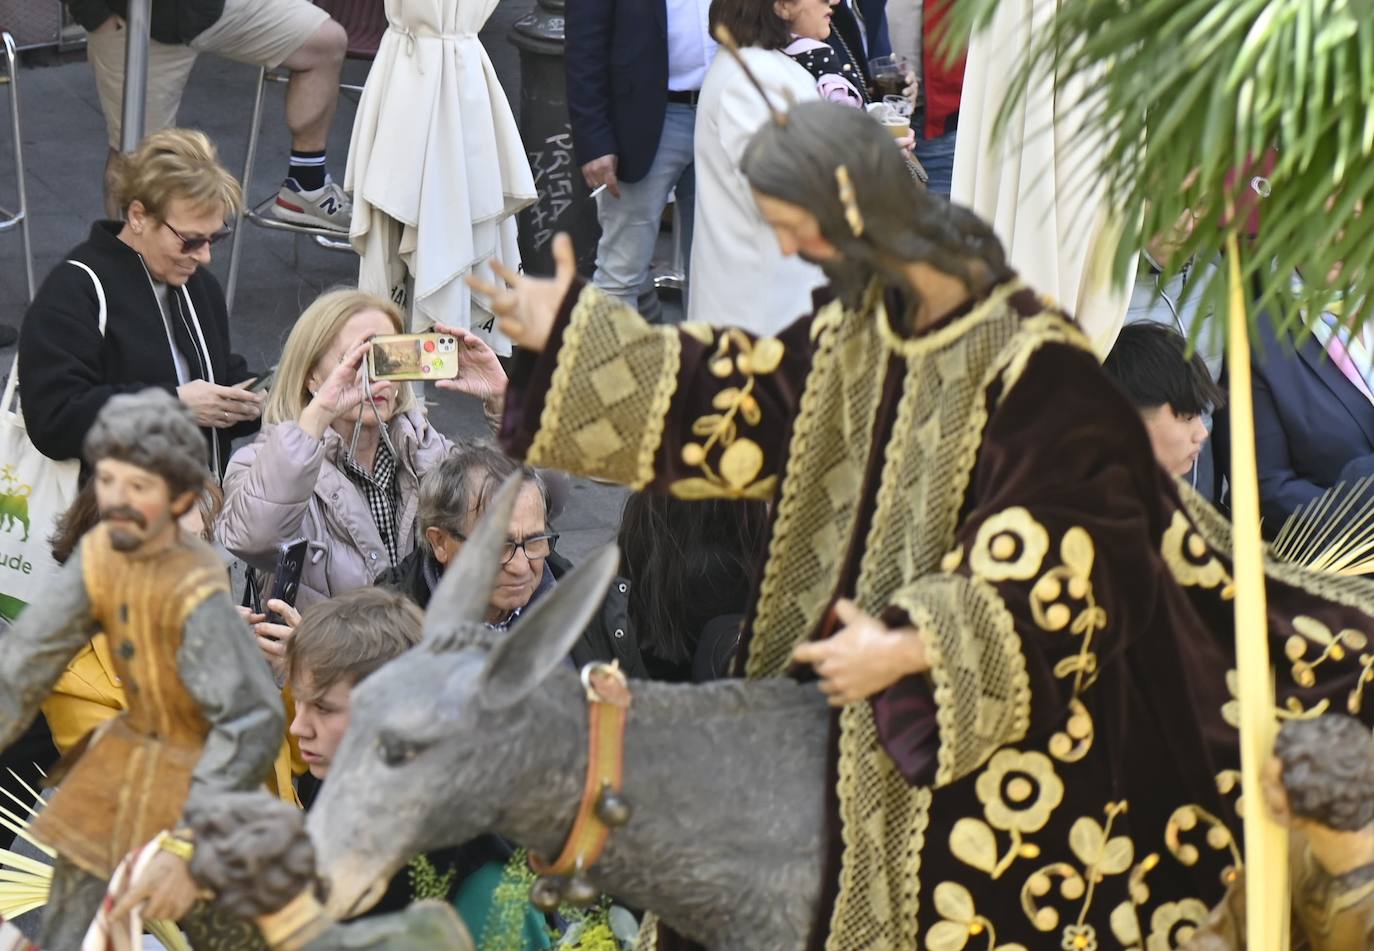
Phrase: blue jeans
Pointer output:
(937, 155)
(630, 223)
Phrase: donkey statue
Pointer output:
(474, 732)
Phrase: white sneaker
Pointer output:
(326, 207)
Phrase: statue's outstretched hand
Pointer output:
(528, 306)
(863, 658)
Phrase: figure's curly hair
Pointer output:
(154, 431)
(1328, 770)
(903, 223)
(252, 851)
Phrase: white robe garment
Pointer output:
(1035, 185)
(739, 276)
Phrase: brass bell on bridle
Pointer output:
(580, 892)
(612, 808)
(546, 893)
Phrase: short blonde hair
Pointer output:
(175, 164)
(312, 336)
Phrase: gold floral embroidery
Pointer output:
(1334, 647)
(1218, 837)
(1063, 599)
(1125, 917)
(1010, 546)
(952, 560)
(1079, 938)
(1191, 560)
(1101, 854)
(1018, 791)
(1072, 743)
(741, 459)
(1292, 708)
(961, 922)
(1173, 923)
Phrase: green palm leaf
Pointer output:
(1191, 98)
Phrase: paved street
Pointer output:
(64, 146)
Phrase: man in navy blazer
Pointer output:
(1314, 426)
(861, 26)
(634, 68)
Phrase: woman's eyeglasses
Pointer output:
(192, 245)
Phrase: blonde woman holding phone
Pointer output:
(340, 457)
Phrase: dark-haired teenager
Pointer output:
(1172, 390)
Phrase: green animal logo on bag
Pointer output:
(14, 501)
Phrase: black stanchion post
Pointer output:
(564, 202)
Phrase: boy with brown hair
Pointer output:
(337, 644)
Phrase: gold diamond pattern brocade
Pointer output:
(820, 495)
(928, 463)
(608, 399)
(982, 692)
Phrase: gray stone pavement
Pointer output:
(64, 152)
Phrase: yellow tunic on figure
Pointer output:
(1059, 778)
(133, 778)
(90, 692)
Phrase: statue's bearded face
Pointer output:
(135, 502)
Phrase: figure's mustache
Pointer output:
(124, 513)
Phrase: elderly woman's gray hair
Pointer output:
(154, 431)
(455, 493)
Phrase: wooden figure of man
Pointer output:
(1320, 784)
(204, 715)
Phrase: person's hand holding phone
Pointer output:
(479, 369)
(219, 407)
(272, 638)
(341, 392)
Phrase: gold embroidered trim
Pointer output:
(884, 832)
(608, 400)
(909, 347)
(937, 435)
(1037, 331)
(982, 691)
(815, 513)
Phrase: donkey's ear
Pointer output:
(541, 640)
(465, 589)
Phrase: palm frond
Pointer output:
(25, 882)
(1191, 100)
(1334, 533)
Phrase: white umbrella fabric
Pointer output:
(436, 166)
(1035, 183)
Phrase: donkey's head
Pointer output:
(439, 738)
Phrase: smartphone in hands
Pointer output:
(428, 356)
(286, 578)
(263, 383)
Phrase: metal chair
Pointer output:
(19, 218)
(365, 22)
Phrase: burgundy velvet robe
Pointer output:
(1068, 761)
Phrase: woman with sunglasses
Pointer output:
(133, 307)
